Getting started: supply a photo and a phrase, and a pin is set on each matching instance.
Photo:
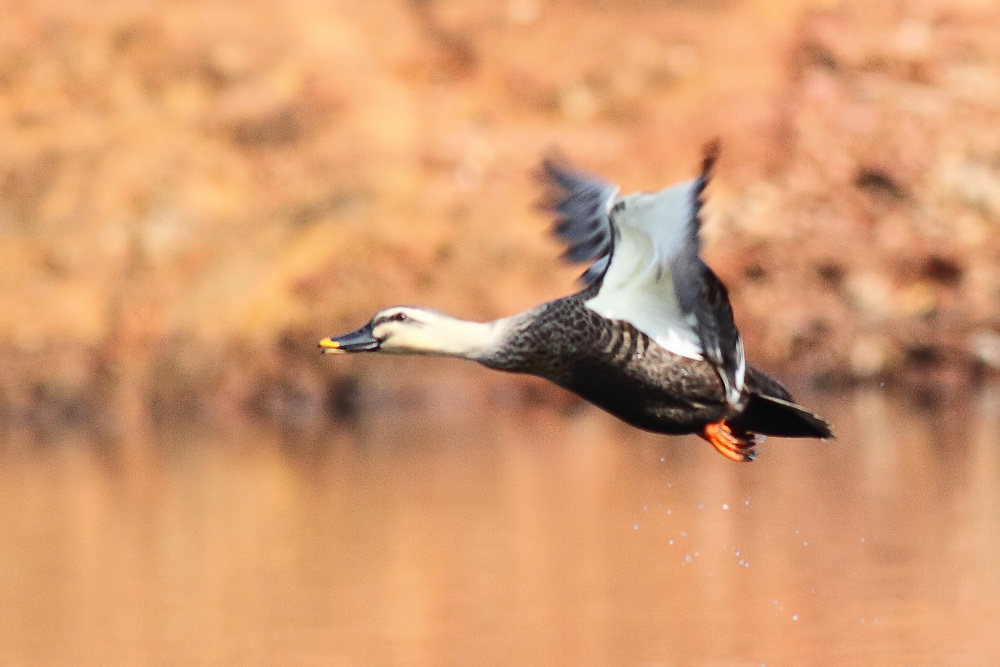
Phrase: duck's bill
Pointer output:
(361, 340)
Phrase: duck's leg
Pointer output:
(735, 446)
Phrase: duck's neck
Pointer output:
(453, 337)
(472, 340)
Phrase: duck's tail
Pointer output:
(769, 415)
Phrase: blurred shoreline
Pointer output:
(192, 194)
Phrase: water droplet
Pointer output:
(725, 506)
(684, 534)
(737, 553)
(701, 506)
(862, 539)
(687, 558)
(635, 526)
(662, 459)
(805, 543)
(670, 511)
(746, 502)
(670, 542)
(795, 617)
(645, 508)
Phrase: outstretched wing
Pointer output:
(645, 253)
(700, 291)
(597, 227)
(581, 205)
(639, 285)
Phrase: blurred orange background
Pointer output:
(191, 193)
(194, 192)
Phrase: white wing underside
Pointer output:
(638, 286)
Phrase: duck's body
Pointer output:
(650, 338)
(620, 369)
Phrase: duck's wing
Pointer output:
(581, 205)
(645, 252)
(700, 291)
(720, 339)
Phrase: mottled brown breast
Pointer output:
(615, 366)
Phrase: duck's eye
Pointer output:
(398, 317)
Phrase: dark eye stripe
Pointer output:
(395, 317)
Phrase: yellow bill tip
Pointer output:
(330, 346)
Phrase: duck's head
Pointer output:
(413, 330)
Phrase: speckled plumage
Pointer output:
(620, 369)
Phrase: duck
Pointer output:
(650, 337)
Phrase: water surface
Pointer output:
(424, 534)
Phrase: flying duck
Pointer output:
(650, 338)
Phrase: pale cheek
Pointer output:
(403, 342)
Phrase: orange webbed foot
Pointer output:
(734, 446)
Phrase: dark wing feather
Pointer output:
(768, 415)
(700, 291)
(717, 332)
(687, 268)
(580, 204)
(596, 270)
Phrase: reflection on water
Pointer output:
(485, 536)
